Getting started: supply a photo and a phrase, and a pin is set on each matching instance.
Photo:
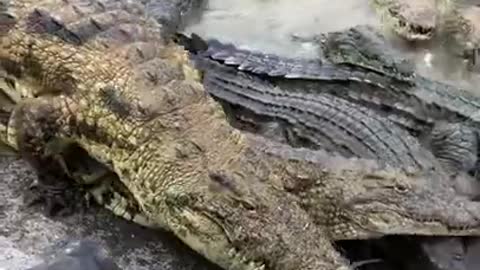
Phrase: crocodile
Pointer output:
(241, 201)
(318, 121)
(358, 53)
(424, 20)
(419, 105)
(413, 20)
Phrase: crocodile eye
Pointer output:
(401, 188)
(393, 12)
(10, 83)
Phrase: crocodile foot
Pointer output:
(455, 145)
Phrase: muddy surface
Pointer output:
(28, 237)
(269, 25)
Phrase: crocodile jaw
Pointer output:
(413, 28)
(412, 21)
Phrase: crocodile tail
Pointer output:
(254, 62)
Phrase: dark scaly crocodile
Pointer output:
(420, 105)
(357, 54)
(316, 120)
(319, 121)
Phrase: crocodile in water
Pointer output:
(414, 20)
(422, 106)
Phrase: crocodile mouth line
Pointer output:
(409, 30)
(414, 31)
(118, 204)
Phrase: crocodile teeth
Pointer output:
(232, 252)
(256, 266)
(246, 264)
(118, 206)
(141, 220)
(262, 267)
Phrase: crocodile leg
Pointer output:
(455, 145)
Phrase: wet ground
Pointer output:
(27, 237)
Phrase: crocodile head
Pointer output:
(393, 203)
(360, 199)
(414, 20)
(365, 46)
(239, 224)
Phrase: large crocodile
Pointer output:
(241, 201)
(417, 104)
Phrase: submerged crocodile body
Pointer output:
(137, 106)
(419, 105)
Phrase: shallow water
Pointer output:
(268, 25)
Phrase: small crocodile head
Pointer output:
(414, 20)
(366, 47)
(392, 203)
